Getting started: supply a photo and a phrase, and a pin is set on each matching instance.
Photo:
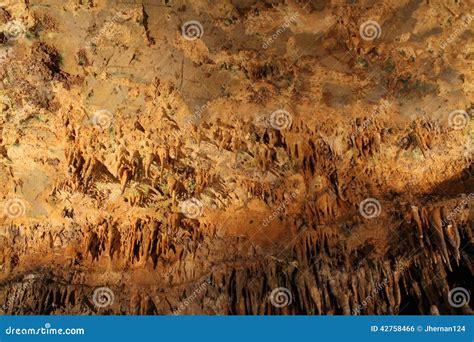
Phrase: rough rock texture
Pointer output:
(273, 158)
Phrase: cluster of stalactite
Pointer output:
(430, 254)
(309, 175)
(162, 170)
(145, 241)
(322, 274)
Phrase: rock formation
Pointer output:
(236, 157)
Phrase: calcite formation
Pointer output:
(236, 157)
